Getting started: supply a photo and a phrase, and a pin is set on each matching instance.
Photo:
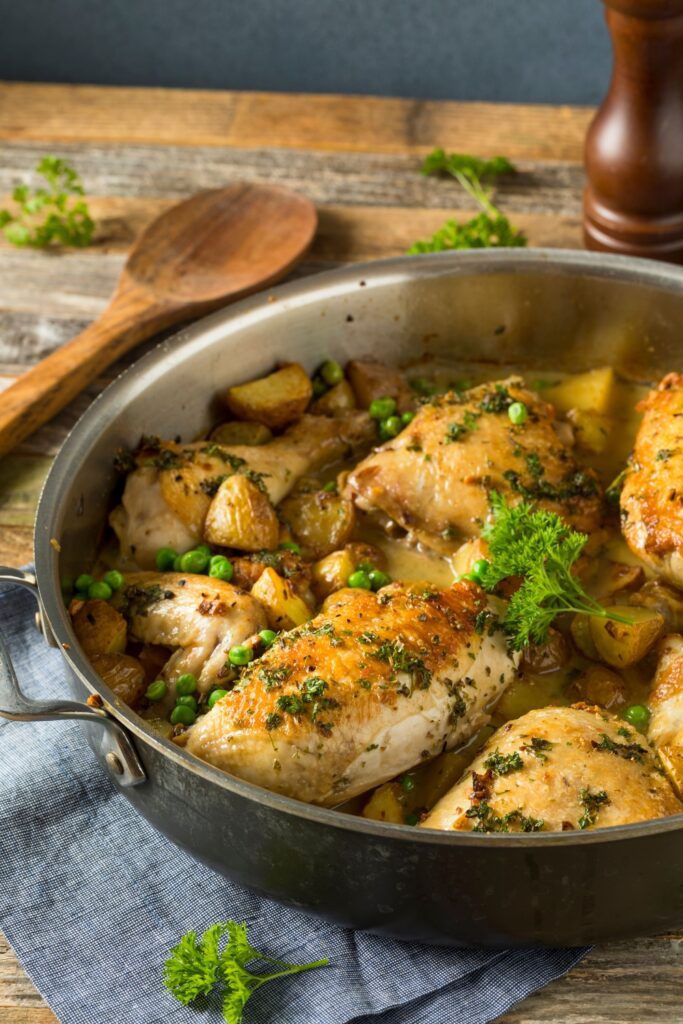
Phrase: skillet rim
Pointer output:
(310, 290)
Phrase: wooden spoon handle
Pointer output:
(46, 388)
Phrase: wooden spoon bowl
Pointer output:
(200, 254)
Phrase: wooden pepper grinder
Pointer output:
(633, 202)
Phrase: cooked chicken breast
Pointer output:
(201, 617)
(557, 769)
(435, 477)
(652, 495)
(167, 497)
(666, 707)
(364, 691)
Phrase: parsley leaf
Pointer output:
(489, 229)
(195, 966)
(49, 215)
(539, 547)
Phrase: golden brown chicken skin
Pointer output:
(666, 707)
(652, 495)
(557, 769)
(367, 689)
(434, 479)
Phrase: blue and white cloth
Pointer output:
(92, 898)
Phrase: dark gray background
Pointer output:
(542, 51)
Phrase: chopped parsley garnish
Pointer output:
(456, 431)
(629, 751)
(591, 803)
(395, 654)
(538, 747)
(273, 720)
(211, 484)
(498, 400)
(664, 454)
(488, 821)
(502, 764)
(273, 678)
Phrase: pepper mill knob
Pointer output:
(633, 202)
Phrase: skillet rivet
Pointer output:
(114, 763)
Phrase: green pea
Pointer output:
(99, 591)
(407, 417)
(194, 561)
(381, 408)
(113, 579)
(188, 701)
(268, 636)
(84, 582)
(177, 567)
(412, 819)
(379, 579)
(165, 559)
(290, 545)
(240, 655)
(156, 690)
(423, 386)
(637, 715)
(390, 427)
(331, 372)
(205, 548)
(221, 568)
(185, 684)
(518, 413)
(331, 487)
(183, 715)
(479, 568)
(319, 387)
(360, 580)
(407, 783)
(215, 696)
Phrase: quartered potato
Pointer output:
(593, 431)
(122, 674)
(593, 391)
(371, 380)
(283, 606)
(241, 516)
(619, 644)
(276, 400)
(320, 522)
(600, 685)
(237, 432)
(339, 398)
(332, 572)
(100, 628)
(583, 636)
(385, 804)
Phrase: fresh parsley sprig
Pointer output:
(538, 547)
(49, 215)
(489, 229)
(196, 965)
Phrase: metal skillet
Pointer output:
(540, 310)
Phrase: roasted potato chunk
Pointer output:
(331, 573)
(100, 629)
(241, 516)
(599, 685)
(583, 637)
(276, 400)
(320, 522)
(593, 391)
(283, 606)
(241, 432)
(249, 568)
(338, 399)
(592, 430)
(122, 674)
(370, 379)
(385, 804)
(619, 644)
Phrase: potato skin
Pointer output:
(320, 521)
(100, 629)
(241, 516)
(239, 432)
(123, 674)
(371, 379)
(276, 400)
(283, 607)
(338, 399)
(620, 645)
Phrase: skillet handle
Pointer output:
(113, 744)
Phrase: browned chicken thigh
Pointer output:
(652, 496)
(371, 686)
(435, 477)
(556, 769)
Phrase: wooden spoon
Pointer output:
(202, 253)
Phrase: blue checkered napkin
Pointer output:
(92, 898)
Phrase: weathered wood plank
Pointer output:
(372, 179)
(77, 113)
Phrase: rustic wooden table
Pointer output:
(139, 150)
